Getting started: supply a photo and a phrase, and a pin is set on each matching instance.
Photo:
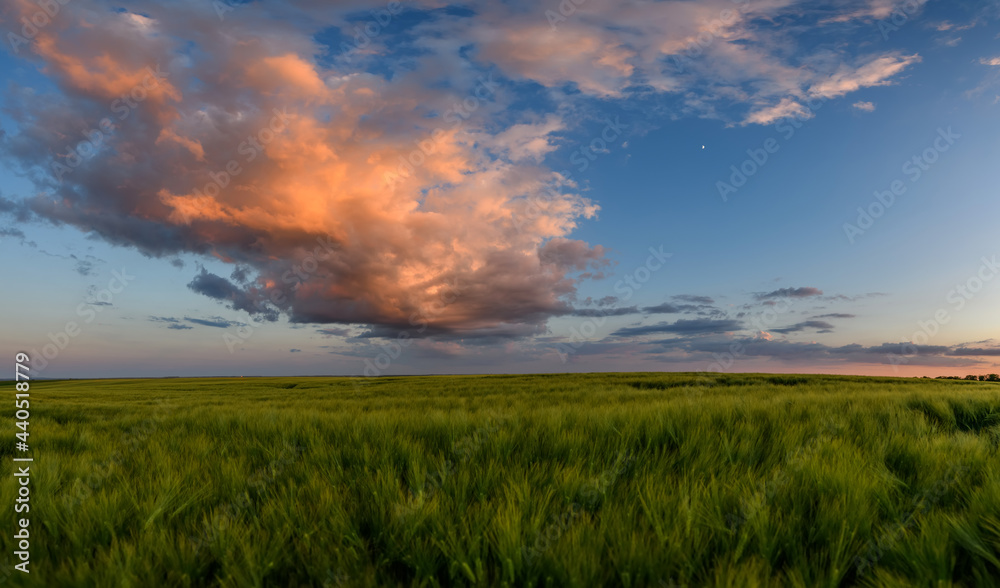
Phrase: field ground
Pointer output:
(557, 480)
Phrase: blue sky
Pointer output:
(560, 149)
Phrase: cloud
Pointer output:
(669, 308)
(294, 350)
(976, 351)
(835, 315)
(950, 26)
(854, 298)
(864, 106)
(175, 323)
(869, 10)
(17, 234)
(821, 326)
(993, 61)
(683, 326)
(692, 304)
(334, 332)
(164, 319)
(694, 299)
(392, 228)
(250, 300)
(82, 265)
(876, 72)
(665, 308)
(593, 58)
(790, 293)
(85, 265)
(402, 177)
(215, 321)
(528, 141)
(787, 108)
(171, 322)
(498, 334)
(707, 349)
(598, 312)
(568, 254)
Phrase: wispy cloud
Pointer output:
(789, 293)
(819, 326)
(334, 332)
(878, 71)
(694, 299)
(683, 326)
(178, 324)
(170, 323)
(866, 10)
(217, 322)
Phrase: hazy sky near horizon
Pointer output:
(305, 187)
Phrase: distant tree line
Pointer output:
(981, 378)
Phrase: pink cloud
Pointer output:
(876, 72)
(788, 107)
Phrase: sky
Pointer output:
(207, 188)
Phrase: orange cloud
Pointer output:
(269, 160)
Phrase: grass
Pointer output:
(556, 480)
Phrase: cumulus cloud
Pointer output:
(379, 190)
(864, 106)
(253, 150)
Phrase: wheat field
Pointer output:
(661, 480)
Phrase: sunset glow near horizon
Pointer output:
(366, 187)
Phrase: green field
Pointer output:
(562, 480)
